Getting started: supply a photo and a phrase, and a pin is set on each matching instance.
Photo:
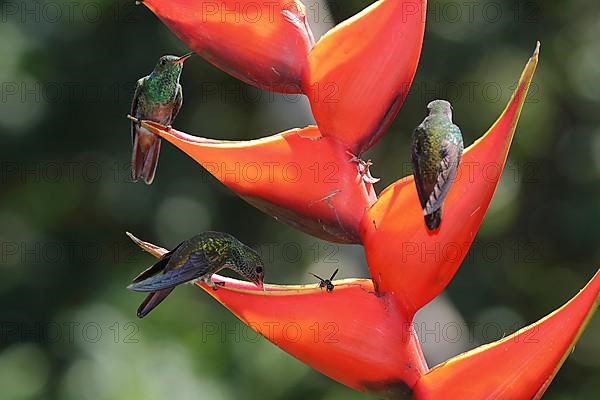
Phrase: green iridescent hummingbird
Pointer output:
(158, 97)
(437, 148)
(197, 259)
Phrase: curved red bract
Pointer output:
(361, 71)
(261, 42)
(298, 177)
(520, 366)
(420, 264)
(328, 330)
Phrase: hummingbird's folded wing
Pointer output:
(451, 155)
(195, 267)
(178, 103)
(134, 107)
(423, 192)
(158, 267)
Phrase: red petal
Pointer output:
(520, 366)
(263, 43)
(351, 334)
(404, 258)
(298, 176)
(361, 71)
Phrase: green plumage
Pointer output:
(436, 152)
(160, 87)
(158, 98)
(216, 248)
(197, 259)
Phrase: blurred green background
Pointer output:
(67, 324)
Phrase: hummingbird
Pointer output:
(437, 148)
(326, 283)
(158, 98)
(197, 259)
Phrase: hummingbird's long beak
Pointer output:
(184, 57)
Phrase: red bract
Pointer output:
(420, 264)
(520, 366)
(298, 177)
(361, 71)
(261, 42)
(361, 334)
(352, 334)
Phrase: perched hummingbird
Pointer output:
(196, 259)
(158, 98)
(436, 151)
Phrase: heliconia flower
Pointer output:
(356, 77)
(261, 42)
(420, 264)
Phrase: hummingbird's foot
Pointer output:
(216, 285)
(363, 168)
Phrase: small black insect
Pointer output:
(326, 283)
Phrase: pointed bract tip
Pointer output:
(154, 126)
(536, 52)
(133, 238)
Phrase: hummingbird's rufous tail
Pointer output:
(146, 149)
